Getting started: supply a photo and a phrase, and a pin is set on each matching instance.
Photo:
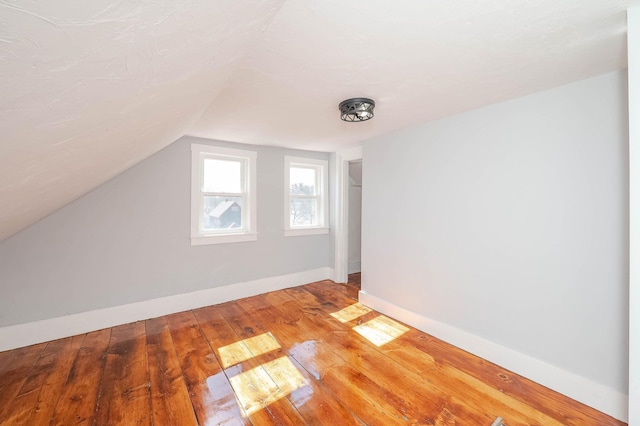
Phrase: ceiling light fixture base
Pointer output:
(356, 109)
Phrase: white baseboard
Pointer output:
(20, 335)
(354, 267)
(581, 389)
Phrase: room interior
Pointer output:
(489, 202)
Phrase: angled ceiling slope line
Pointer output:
(89, 89)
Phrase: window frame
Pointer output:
(322, 190)
(248, 232)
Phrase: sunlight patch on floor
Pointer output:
(351, 312)
(381, 330)
(265, 384)
(246, 349)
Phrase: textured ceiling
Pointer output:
(90, 88)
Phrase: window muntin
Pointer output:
(223, 195)
(306, 195)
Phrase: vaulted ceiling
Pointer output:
(90, 88)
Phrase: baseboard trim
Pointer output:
(581, 389)
(20, 335)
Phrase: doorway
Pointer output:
(341, 220)
(354, 223)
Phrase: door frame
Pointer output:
(341, 226)
(633, 43)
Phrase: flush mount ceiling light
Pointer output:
(356, 109)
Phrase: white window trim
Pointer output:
(200, 237)
(323, 192)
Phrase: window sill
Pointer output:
(222, 239)
(305, 231)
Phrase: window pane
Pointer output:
(222, 175)
(304, 211)
(222, 213)
(302, 180)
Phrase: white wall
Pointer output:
(510, 222)
(129, 241)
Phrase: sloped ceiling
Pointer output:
(90, 88)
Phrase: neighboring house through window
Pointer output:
(223, 195)
(306, 196)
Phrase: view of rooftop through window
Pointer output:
(223, 183)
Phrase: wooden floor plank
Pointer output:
(170, 400)
(5, 357)
(124, 394)
(39, 394)
(79, 394)
(305, 355)
(314, 400)
(365, 398)
(15, 368)
(212, 397)
(226, 327)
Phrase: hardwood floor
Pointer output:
(355, 281)
(306, 355)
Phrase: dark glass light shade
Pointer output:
(356, 109)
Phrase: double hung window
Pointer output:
(306, 196)
(223, 195)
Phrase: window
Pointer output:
(306, 196)
(223, 195)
